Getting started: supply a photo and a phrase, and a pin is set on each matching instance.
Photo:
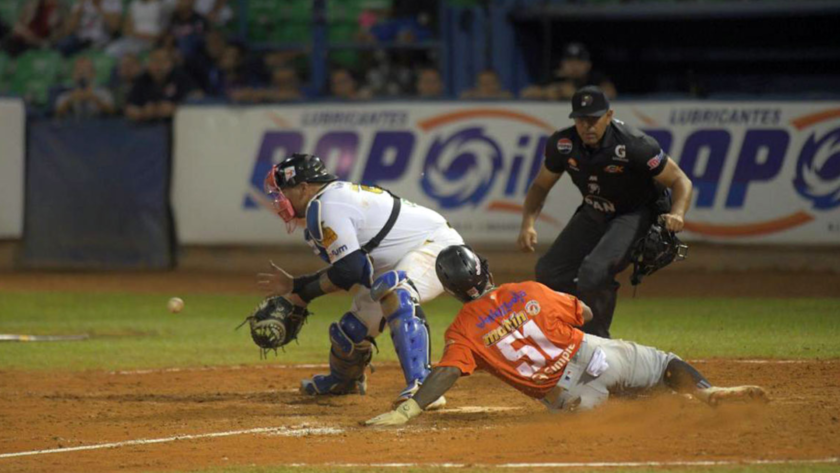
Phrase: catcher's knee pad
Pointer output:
(407, 322)
(350, 355)
(348, 332)
(351, 348)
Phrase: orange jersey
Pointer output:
(521, 333)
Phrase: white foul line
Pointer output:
(282, 431)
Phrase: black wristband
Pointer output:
(308, 287)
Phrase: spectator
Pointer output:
(575, 71)
(232, 80)
(38, 26)
(159, 90)
(217, 12)
(487, 86)
(128, 71)
(343, 86)
(91, 23)
(392, 75)
(86, 98)
(285, 86)
(187, 29)
(381, 24)
(429, 84)
(144, 24)
(204, 65)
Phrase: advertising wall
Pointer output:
(12, 130)
(764, 172)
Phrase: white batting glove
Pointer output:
(399, 416)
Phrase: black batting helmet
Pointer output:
(463, 273)
(300, 167)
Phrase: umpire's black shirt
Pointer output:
(617, 177)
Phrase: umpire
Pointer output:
(627, 182)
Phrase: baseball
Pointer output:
(175, 305)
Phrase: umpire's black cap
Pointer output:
(589, 101)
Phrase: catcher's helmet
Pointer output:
(463, 273)
(298, 168)
(290, 172)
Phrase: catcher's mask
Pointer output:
(462, 272)
(290, 172)
(659, 248)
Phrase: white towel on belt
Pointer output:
(598, 364)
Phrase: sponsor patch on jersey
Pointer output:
(505, 328)
(532, 308)
(620, 153)
(654, 161)
(564, 145)
(614, 169)
(600, 204)
(329, 236)
(594, 188)
(338, 251)
(593, 178)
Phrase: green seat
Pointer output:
(35, 73)
(292, 32)
(342, 32)
(341, 11)
(103, 64)
(300, 10)
(9, 11)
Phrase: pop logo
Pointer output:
(461, 157)
(462, 168)
(818, 170)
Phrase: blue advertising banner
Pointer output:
(763, 172)
(97, 195)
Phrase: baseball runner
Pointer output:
(627, 183)
(525, 334)
(377, 244)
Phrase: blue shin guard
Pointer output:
(350, 354)
(407, 322)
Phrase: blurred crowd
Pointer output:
(140, 58)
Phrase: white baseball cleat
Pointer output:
(714, 395)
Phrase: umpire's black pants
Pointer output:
(587, 255)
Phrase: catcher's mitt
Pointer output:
(659, 248)
(275, 323)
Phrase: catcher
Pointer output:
(377, 244)
(526, 335)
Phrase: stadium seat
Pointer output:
(103, 63)
(8, 11)
(35, 72)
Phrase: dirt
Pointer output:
(60, 410)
